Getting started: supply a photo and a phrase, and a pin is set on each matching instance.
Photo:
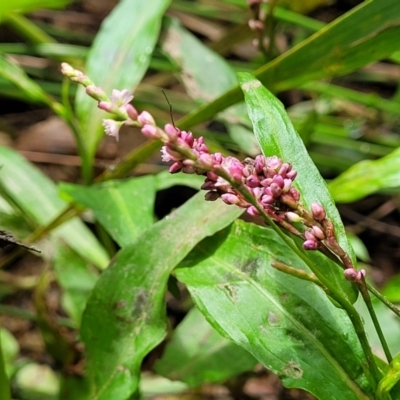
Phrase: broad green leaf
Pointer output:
(276, 135)
(24, 6)
(37, 196)
(365, 34)
(125, 315)
(124, 208)
(288, 324)
(198, 354)
(75, 278)
(118, 59)
(367, 177)
(193, 58)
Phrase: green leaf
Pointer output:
(367, 177)
(118, 59)
(37, 196)
(198, 354)
(24, 6)
(276, 135)
(13, 73)
(288, 324)
(365, 34)
(125, 315)
(76, 280)
(124, 208)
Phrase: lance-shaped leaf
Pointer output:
(37, 196)
(276, 135)
(198, 354)
(288, 324)
(125, 315)
(118, 59)
(124, 208)
(367, 177)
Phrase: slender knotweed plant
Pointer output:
(263, 186)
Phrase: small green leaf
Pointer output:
(288, 324)
(367, 177)
(37, 196)
(124, 208)
(198, 354)
(125, 315)
(118, 59)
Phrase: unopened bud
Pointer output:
(151, 132)
(96, 93)
(131, 111)
(318, 212)
(352, 275)
(293, 217)
(318, 233)
(310, 245)
(146, 118)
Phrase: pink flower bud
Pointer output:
(253, 211)
(252, 181)
(230, 198)
(151, 132)
(309, 235)
(279, 181)
(131, 111)
(175, 167)
(171, 131)
(318, 212)
(146, 118)
(310, 245)
(353, 275)
(318, 233)
(105, 106)
(96, 93)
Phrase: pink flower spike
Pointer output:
(146, 118)
(112, 127)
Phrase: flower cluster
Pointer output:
(263, 186)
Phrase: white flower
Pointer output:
(120, 98)
(112, 127)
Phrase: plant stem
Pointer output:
(367, 299)
(383, 299)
